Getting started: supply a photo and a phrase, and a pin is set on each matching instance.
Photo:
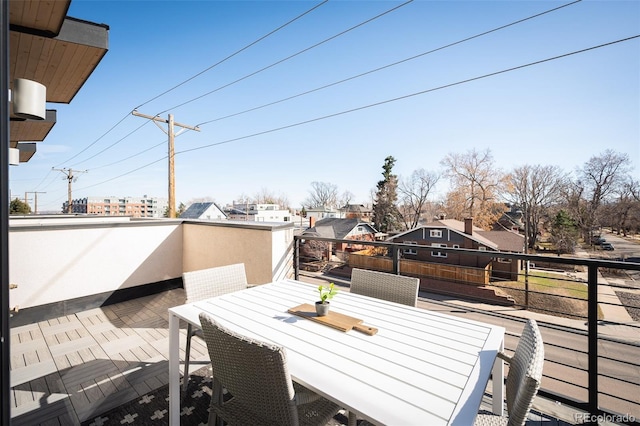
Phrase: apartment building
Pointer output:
(119, 206)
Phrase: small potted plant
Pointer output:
(326, 294)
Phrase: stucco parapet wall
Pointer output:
(261, 226)
(27, 223)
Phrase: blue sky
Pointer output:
(558, 112)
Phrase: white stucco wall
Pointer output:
(51, 263)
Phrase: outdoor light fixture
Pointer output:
(29, 99)
(14, 157)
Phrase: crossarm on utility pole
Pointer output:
(170, 152)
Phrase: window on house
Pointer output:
(503, 260)
(410, 250)
(456, 246)
(482, 248)
(438, 253)
(435, 233)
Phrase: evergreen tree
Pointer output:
(386, 216)
(19, 207)
(564, 233)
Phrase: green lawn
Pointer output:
(550, 293)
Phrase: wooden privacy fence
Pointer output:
(415, 268)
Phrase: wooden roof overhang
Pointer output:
(55, 50)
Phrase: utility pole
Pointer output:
(70, 178)
(171, 151)
(35, 210)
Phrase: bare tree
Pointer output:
(267, 197)
(534, 189)
(475, 182)
(599, 178)
(322, 194)
(414, 192)
(346, 198)
(623, 213)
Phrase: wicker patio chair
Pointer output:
(256, 376)
(523, 379)
(394, 288)
(207, 283)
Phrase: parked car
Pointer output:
(606, 246)
(598, 240)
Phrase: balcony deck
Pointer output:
(69, 370)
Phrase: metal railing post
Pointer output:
(395, 253)
(296, 258)
(592, 321)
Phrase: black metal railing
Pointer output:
(591, 403)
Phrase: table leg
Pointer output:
(498, 384)
(174, 370)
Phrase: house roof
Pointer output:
(506, 240)
(196, 210)
(357, 208)
(456, 226)
(336, 228)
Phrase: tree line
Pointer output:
(601, 193)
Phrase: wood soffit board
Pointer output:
(32, 130)
(62, 63)
(55, 50)
(36, 16)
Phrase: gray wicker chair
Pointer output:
(256, 376)
(394, 288)
(207, 283)
(523, 379)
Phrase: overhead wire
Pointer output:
(519, 21)
(253, 73)
(393, 9)
(335, 83)
(184, 82)
(233, 54)
(422, 92)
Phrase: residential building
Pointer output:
(207, 211)
(345, 229)
(258, 213)
(357, 211)
(453, 233)
(322, 212)
(119, 206)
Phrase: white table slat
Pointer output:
(420, 368)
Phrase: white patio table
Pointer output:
(421, 367)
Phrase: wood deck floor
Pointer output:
(70, 369)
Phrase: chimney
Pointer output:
(312, 222)
(442, 216)
(468, 225)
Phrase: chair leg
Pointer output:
(216, 399)
(352, 419)
(185, 377)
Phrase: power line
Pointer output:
(372, 105)
(182, 83)
(389, 65)
(232, 55)
(96, 141)
(290, 56)
(336, 82)
(408, 96)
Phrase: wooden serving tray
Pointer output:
(333, 319)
